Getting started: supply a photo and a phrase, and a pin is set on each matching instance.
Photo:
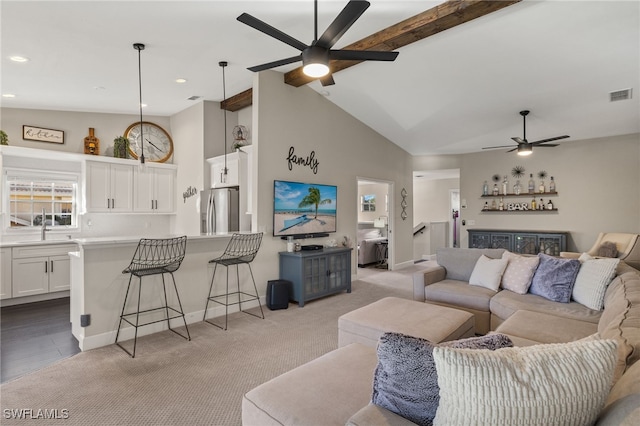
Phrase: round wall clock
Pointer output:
(157, 144)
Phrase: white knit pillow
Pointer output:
(592, 281)
(488, 272)
(556, 384)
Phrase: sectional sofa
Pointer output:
(337, 387)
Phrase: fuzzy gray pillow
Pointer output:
(406, 380)
(554, 278)
(608, 249)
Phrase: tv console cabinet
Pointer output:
(316, 273)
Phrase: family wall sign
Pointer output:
(308, 161)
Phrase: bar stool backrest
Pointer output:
(242, 248)
(157, 256)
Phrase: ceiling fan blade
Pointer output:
(518, 140)
(350, 14)
(501, 146)
(274, 64)
(262, 26)
(511, 150)
(546, 146)
(327, 80)
(362, 55)
(549, 140)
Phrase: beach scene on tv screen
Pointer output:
(303, 208)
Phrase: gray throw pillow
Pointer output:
(554, 278)
(406, 382)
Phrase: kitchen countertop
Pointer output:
(102, 241)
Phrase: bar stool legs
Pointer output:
(223, 299)
(154, 257)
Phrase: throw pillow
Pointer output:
(592, 280)
(552, 384)
(608, 249)
(405, 380)
(488, 272)
(554, 278)
(519, 272)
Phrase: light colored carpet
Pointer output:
(175, 382)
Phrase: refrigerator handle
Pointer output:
(210, 213)
(213, 216)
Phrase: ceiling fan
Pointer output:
(525, 147)
(316, 56)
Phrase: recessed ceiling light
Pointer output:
(181, 80)
(8, 95)
(19, 59)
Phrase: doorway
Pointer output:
(374, 224)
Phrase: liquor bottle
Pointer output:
(531, 184)
(493, 205)
(517, 188)
(505, 186)
(486, 205)
(541, 204)
(549, 205)
(533, 203)
(541, 187)
(501, 204)
(552, 185)
(495, 189)
(485, 188)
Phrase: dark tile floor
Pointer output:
(33, 336)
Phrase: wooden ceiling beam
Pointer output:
(437, 19)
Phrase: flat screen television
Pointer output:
(303, 210)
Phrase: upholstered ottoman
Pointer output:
(434, 323)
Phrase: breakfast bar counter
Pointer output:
(98, 285)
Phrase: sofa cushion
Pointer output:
(365, 234)
(621, 318)
(405, 381)
(623, 403)
(488, 272)
(375, 415)
(459, 262)
(519, 272)
(546, 328)
(506, 303)
(550, 384)
(554, 278)
(592, 280)
(340, 379)
(459, 293)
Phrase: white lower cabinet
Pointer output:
(41, 269)
(5, 273)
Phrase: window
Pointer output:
(30, 194)
(368, 203)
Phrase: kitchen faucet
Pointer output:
(43, 228)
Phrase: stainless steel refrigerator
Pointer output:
(220, 210)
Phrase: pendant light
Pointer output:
(223, 175)
(139, 47)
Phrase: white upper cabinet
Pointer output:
(109, 187)
(155, 189)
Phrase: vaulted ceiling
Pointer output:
(453, 92)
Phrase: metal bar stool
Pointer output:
(242, 249)
(154, 257)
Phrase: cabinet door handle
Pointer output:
(46, 267)
(113, 203)
(108, 203)
(151, 204)
(51, 266)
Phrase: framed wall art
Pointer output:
(33, 133)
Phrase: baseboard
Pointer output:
(109, 338)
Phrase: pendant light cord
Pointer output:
(139, 47)
(223, 64)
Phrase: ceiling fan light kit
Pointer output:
(525, 147)
(316, 56)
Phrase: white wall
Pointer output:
(432, 199)
(380, 190)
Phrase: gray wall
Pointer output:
(598, 184)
